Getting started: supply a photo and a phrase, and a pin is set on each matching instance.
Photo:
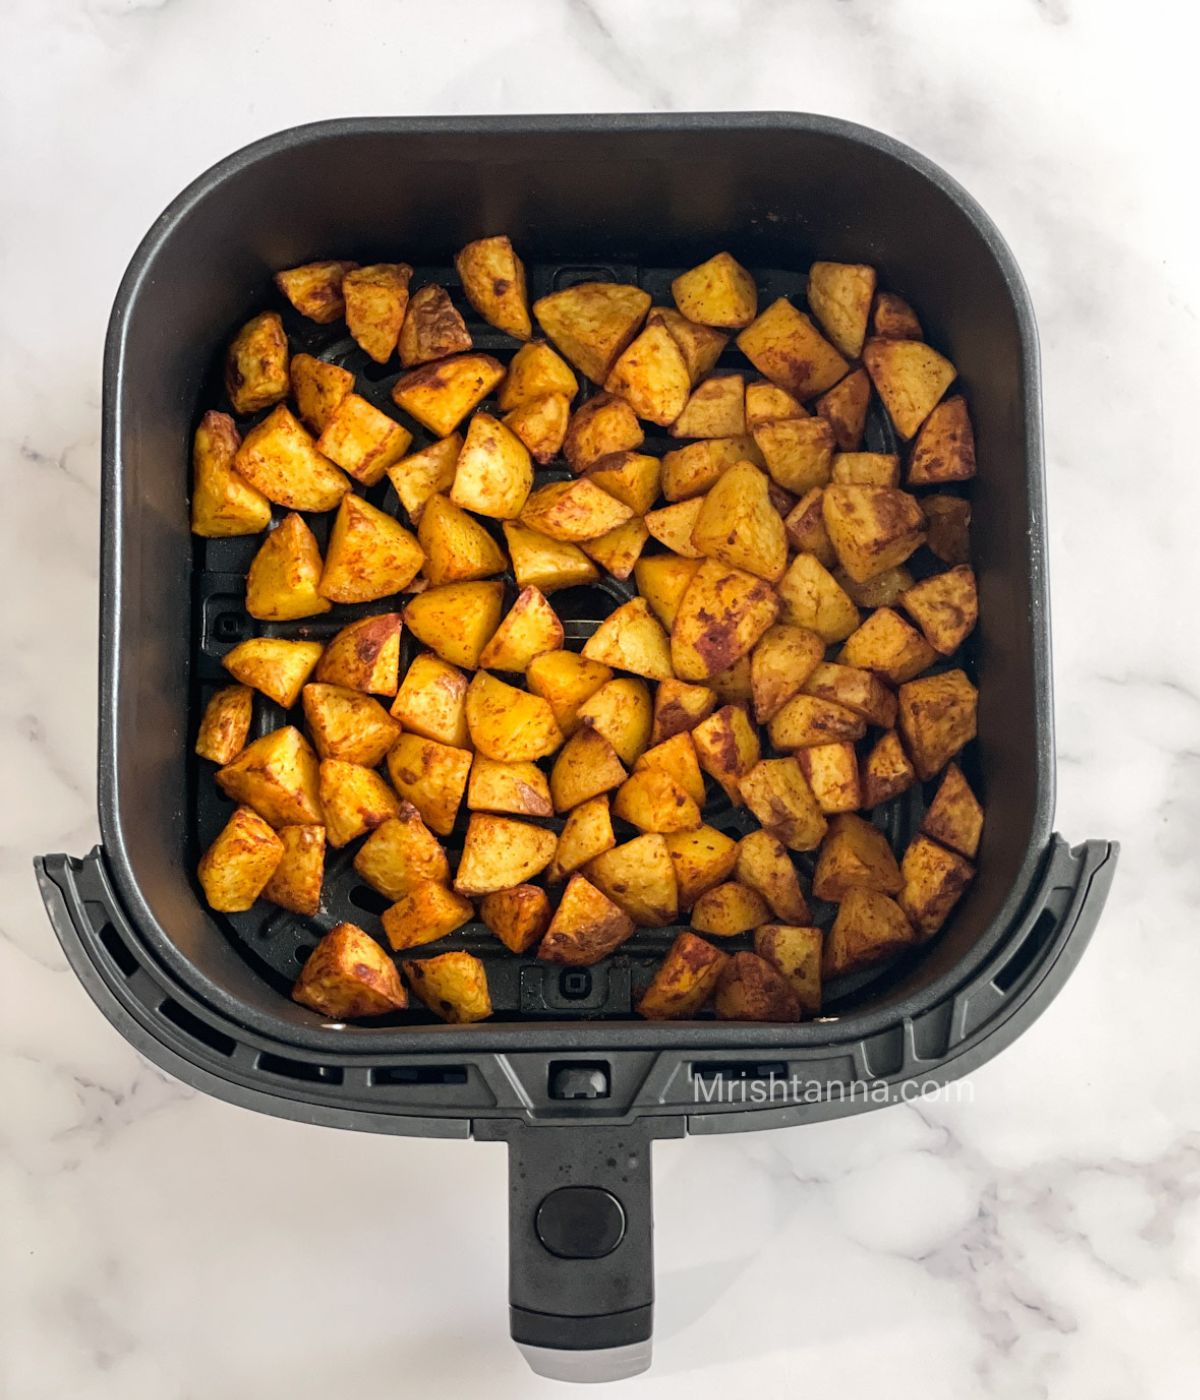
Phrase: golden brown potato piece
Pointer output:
(701, 859)
(750, 989)
(866, 469)
(315, 289)
(223, 503)
(318, 387)
(954, 817)
(432, 776)
(376, 301)
(587, 833)
(494, 473)
(832, 773)
(937, 717)
(281, 584)
(499, 853)
(680, 706)
(727, 747)
(690, 471)
(618, 551)
(807, 721)
(370, 554)
(882, 591)
(676, 756)
(844, 408)
(530, 627)
(354, 799)
(518, 917)
(945, 446)
(456, 620)
(721, 616)
(631, 639)
(281, 460)
(811, 597)
(348, 724)
(603, 425)
(296, 881)
(426, 913)
(894, 319)
(945, 607)
(652, 376)
(256, 367)
(400, 854)
(662, 579)
(739, 526)
(855, 853)
(239, 862)
(632, 477)
(274, 666)
(621, 710)
(868, 928)
(508, 724)
(493, 278)
(763, 864)
(716, 409)
(277, 775)
(536, 370)
(586, 767)
(573, 510)
(780, 664)
(798, 452)
(778, 794)
(727, 910)
(433, 328)
(432, 701)
(672, 526)
(839, 296)
(365, 655)
(785, 347)
(519, 789)
(934, 881)
(425, 474)
(768, 403)
(805, 525)
(639, 877)
(719, 292)
(886, 771)
(348, 975)
(439, 396)
(888, 645)
(652, 800)
(683, 981)
(856, 689)
(452, 985)
(794, 951)
(592, 322)
(540, 562)
(872, 528)
(564, 679)
(910, 377)
(948, 520)
(225, 723)
(586, 927)
(541, 425)
(362, 440)
(700, 346)
(457, 547)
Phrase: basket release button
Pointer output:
(580, 1222)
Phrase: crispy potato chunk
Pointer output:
(494, 474)
(400, 854)
(716, 409)
(652, 800)
(564, 679)
(781, 662)
(318, 387)
(728, 909)
(805, 526)
(948, 519)
(315, 289)
(872, 528)
(677, 757)
(631, 639)
(426, 913)
(887, 644)
(618, 551)
(632, 477)
(719, 292)
(599, 427)
(866, 469)
(573, 510)
(934, 881)
(518, 917)
(541, 425)
(954, 817)
(586, 927)
(296, 882)
(886, 771)
(238, 864)
(456, 620)
(370, 554)
(365, 655)
(750, 989)
(844, 408)
(652, 376)
(277, 775)
(882, 591)
(274, 666)
(832, 773)
(690, 471)
(853, 854)
(639, 877)
(798, 452)
(499, 852)
(256, 367)
(910, 377)
(530, 627)
(732, 685)
(701, 859)
(223, 503)
(347, 724)
(621, 710)
(763, 864)
(778, 794)
(433, 328)
(432, 776)
(894, 319)
(795, 953)
(457, 547)
(945, 607)
(587, 833)
(516, 788)
(768, 403)
(278, 458)
(700, 346)
(720, 618)
(683, 981)
(808, 721)
(662, 579)
(424, 474)
(739, 526)
(856, 689)
(868, 928)
(672, 526)
(493, 278)
(541, 562)
(586, 767)
(536, 370)
(811, 597)
(225, 723)
(592, 322)
(727, 747)
(376, 301)
(785, 347)
(281, 584)
(680, 706)
(362, 440)
(509, 724)
(945, 446)
(453, 986)
(439, 396)
(937, 717)
(348, 975)
(839, 295)
(355, 800)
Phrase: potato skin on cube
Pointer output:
(586, 926)
(238, 864)
(844, 408)
(893, 319)
(886, 771)
(684, 981)
(750, 989)
(256, 367)
(225, 724)
(517, 789)
(433, 328)
(364, 655)
(453, 986)
(348, 975)
(948, 520)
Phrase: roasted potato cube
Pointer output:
(728, 909)
(808, 721)
(886, 771)
(586, 766)
(362, 440)
(376, 300)
(530, 628)
(315, 289)
(620, 710)
(652, 376)
(868, 928)
(632, 477)
(279, 459)
(493, 278)
(281, 584)
(910, 377)
(354, 799)
(732, 685)
(683, 981)
(872, 528)
(456, 620)
(887, 644)
(426, 913)
(716, 409)
(586, 927)
(587, 833)
(719, 292)
(672, 526)
(677, 757)
(795, 953)
(767, 402)
(894, 319)
(519, 788)
(318, 387)
(541, 425)
(365, 655)
(536, 370)
(780, 664)
(439, 396)
(856, 689)
(739, 526)
(457, 547)
(727, 747)
(750, 989)
(400, 854)
(701, 859)
(348, 975)
(945, 446)
(832, 773)
(853, 854)
(432, 776)
(518, 917)
(256, 367)
(274, 666)
(882, 591)
(370, 554)
(599, 427)
(652, 800)
(937, 717)
(839, 296)
(618, 551)
(592, 322)
(631, 639)
(494, 473)
(798, 452)
(954, 817)
(763, 864)
(564, 679)
(541, 562)
(239, 862)
(573, 510)
(223, 503)
(844, 408)
(296, 881)
(866, 469)
(811, 597)
(499, 852)
(948, 519)
(805, 526)
(700, 346)
(433, 328)
(425, 474)
(225, 723)
(347, 724)
(662, 579)
(277, 775)
(680, 706)
(785, 347)
(934, 881)
(945, 607)
(690, 471)
(639, 877)
(720, 618)
(453, 986)
(778, 794)
(508, 724)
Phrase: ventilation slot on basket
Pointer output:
(115, 947)
(299, 1069)
(1025, 956)
(419, 1074)
(192, 1025)
(739, 1070)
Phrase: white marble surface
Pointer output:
(1043, 1240)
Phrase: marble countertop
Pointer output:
(1043, 1239)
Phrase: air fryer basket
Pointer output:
(577, 1086)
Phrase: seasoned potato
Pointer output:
(618, 551)
(541, 562)
(499, 853)
(573, 510)
(721, 616)
(631, 639)
(362, 440)
(763, 864)
(886, 771)
(839, 295)
(621, 710)
(727, 747)
(767, 402)
(937, 717)
(700, 346)
(683, 981)
(318, 387)
(456, 620)
(536, 370)
(632, 477)
(518, 917)
(652, 800)
(602, 425)
(432, 776)
(296, 881)
(784, 346)
(778, 794)
(509, 724)
(868, 928)
(426, 913)
(948, 520)
(882, 591)
(798, 452)
(586, 927)
(493, 277)
(278, 458)
(530, 627)
(457, 547)
(587, 833)
(274, 666)
(592, 322)
(400, 854)
(954, 817)
(832, 773)
(652, 376)
(739, 526)
(347, 724)
(811, 597)
(639, 877)
(719, 292)
(354, 799)
(315, 289)
(239, 862)
(794, 951)
(370, 554)
(365, 655)
(348, 975)
(494, 473)
(662, 579)
(805, 526)
(690, 471)
(564, 679)
(781, 662)
(885, 643)
(856, 689)
(452, 985)
(727, 910)
(376, 300)
(439, 396)
(586, 766)
(281, 584)
(750, 989)
(866, 469)
(934, 881)
(945, 607)
(844, 408)
(424, 474)
(277, 775)
(945, 446)
(223, 503)
(872, 528)
(225, 724)
(894, 319)
(517, 788)
(672, 526)
(715, 409)
(541, 425)
(701, 859)
(910, 377)
(677, 757)
(680, 706)
(854, 853)
(732, 685)
(256, 367)
(433, 328)
(807, 721)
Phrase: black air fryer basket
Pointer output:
(575, 1084)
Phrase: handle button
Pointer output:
(580, 1222)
